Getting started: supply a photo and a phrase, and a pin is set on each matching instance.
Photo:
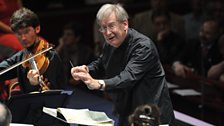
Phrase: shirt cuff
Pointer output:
(102, 85)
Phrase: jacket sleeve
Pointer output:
(5, 64)
(142, 59)
(96, 68)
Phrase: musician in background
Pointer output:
(167, 41)
(72, 48)
(199, 55)
(25, 24)
(216, 72)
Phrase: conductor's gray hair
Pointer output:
(107, 9)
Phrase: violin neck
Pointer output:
(33, 64)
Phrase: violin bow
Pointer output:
(23, 61)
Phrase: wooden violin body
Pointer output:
(39, 63)
(42, 61)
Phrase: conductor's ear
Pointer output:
(125, 25)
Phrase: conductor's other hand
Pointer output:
(79, 69)
(82, 73)
(33, 76)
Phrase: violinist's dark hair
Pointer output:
(23, 18)
(145, 115)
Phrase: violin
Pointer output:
(39, 63)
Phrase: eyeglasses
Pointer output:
(110, 27)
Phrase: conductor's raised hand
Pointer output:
(90, 82)
(79, 69)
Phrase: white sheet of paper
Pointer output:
(81, 116)
(18, 124)
(171, 85)
(187, 92)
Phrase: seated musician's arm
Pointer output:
(216, 71)
(6, 64)
(181, 69)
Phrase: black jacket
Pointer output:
(134, 76)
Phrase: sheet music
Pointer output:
(187, 92)
(171, 85)
(50, 111)
(19, 124)
(81, 116)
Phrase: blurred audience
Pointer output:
(98, 40)
(9, 44)
(7, 38)
(72, 49)
(167, 41)
(194, 19)
(215, 9)
(142, 21)
(199, 55)
(216, 71)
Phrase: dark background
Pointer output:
(55, 13)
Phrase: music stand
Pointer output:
(27, 108)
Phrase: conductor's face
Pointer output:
(114, 31)
(28, 35)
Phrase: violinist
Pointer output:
(25, 24)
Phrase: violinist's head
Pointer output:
(26, 26)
